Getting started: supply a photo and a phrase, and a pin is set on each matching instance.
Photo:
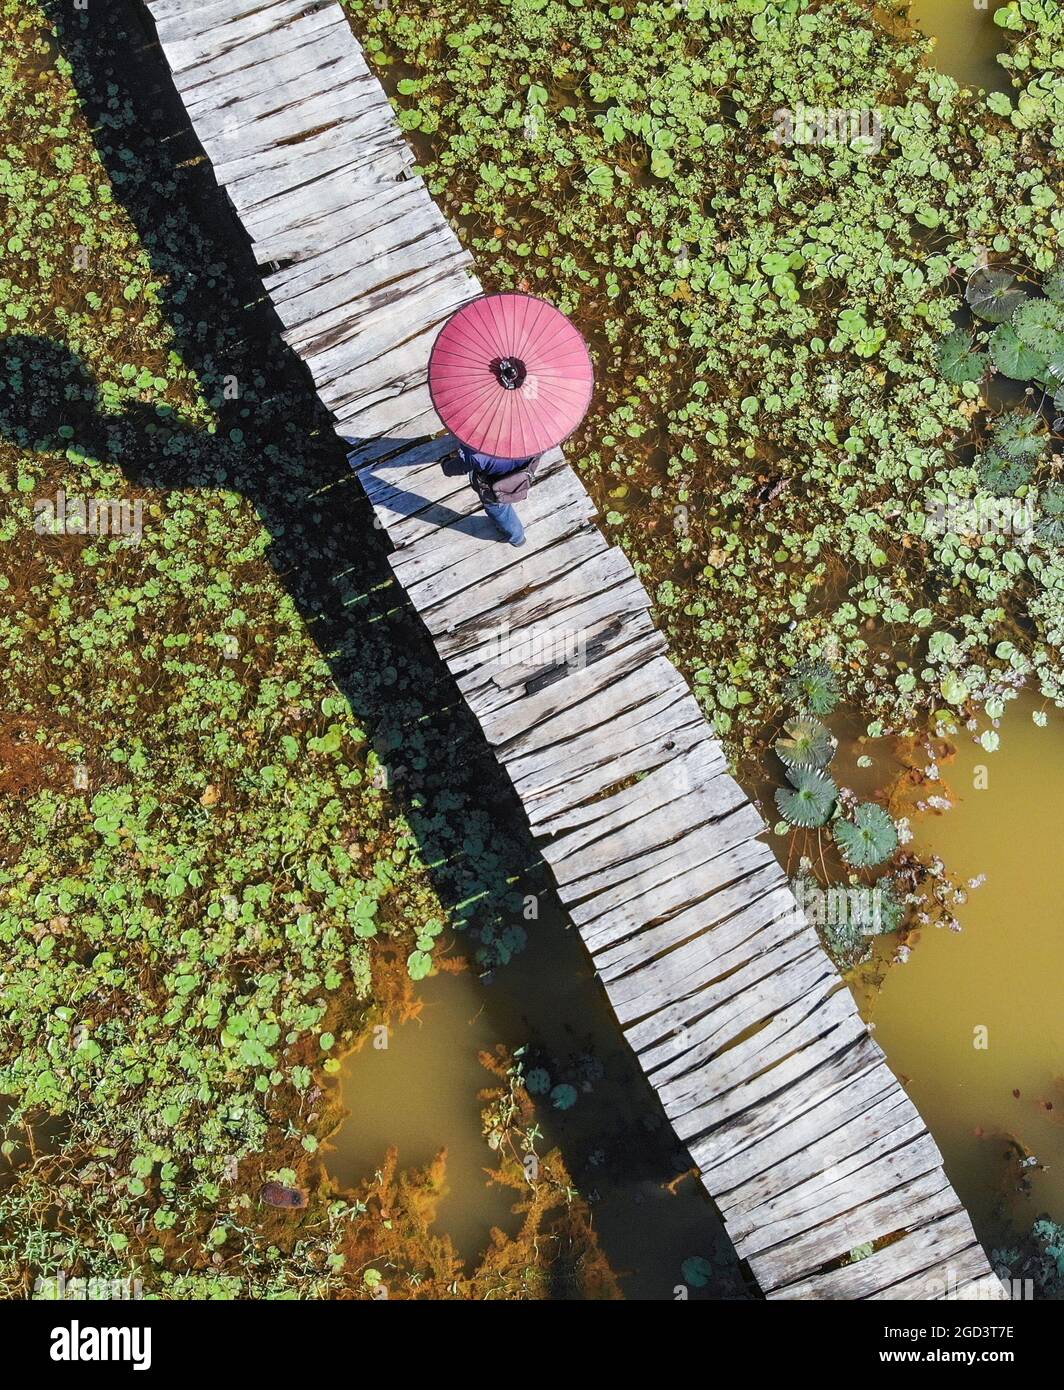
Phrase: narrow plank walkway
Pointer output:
(803, 1136)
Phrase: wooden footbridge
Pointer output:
(827, 1179)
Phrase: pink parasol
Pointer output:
(510, 375)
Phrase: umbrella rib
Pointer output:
(478, 430)
(492, 308)
(530, 343)
(477, 331)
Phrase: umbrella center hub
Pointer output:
(510, 371)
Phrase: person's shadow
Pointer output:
(276, 445)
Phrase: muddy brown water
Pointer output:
(973, 1020)
(967, 40)
(420, 1095)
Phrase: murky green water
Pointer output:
(973, 1021)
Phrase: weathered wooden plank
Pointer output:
(882, 1111)
(353, 149)
(709, 864)
(398, 214)
(538, 664)
(206, 14)
(733, 915)
(467, 562)
(687, 771)
(541, 770)
(644, 688)
(669, 826)
(785, 1151)
(719, 827)
(602, 586)
(407, 409)
(375, 457)
(766, 1129)
(684, 982)
(394, 250)
(914, 1258)
(308, 205)
(906, 1152)
(230, 99)
(537, 572)
(384, 344)
(712, 1111)
(316, 111)
(377, 461)
(780, 1010)
(606, 776)
(775, 1032)
(190, 38)
(407, 491)
(916, 1203)
(452, 559)
(294, 45)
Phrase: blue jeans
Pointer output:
(506, 520)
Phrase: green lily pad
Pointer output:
(1039, 325)
(869, 838)
(805, 743)
(992, 295)
(953, 688)
(1012, 357)
(811, 802)
(957, 359)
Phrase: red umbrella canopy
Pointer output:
(510, 375)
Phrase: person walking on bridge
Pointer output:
(510, 377)
(500, 484)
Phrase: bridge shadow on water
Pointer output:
(275, 446)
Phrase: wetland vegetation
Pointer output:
(242, 815)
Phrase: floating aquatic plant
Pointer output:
(958, 361)
(1012, 356)
(993, 295)
(805, 742)
(869, 839)
(810, 799)
(1002, 476)
(1021, 434)
(1049, 529)
(813, 686)
(1039, 325)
